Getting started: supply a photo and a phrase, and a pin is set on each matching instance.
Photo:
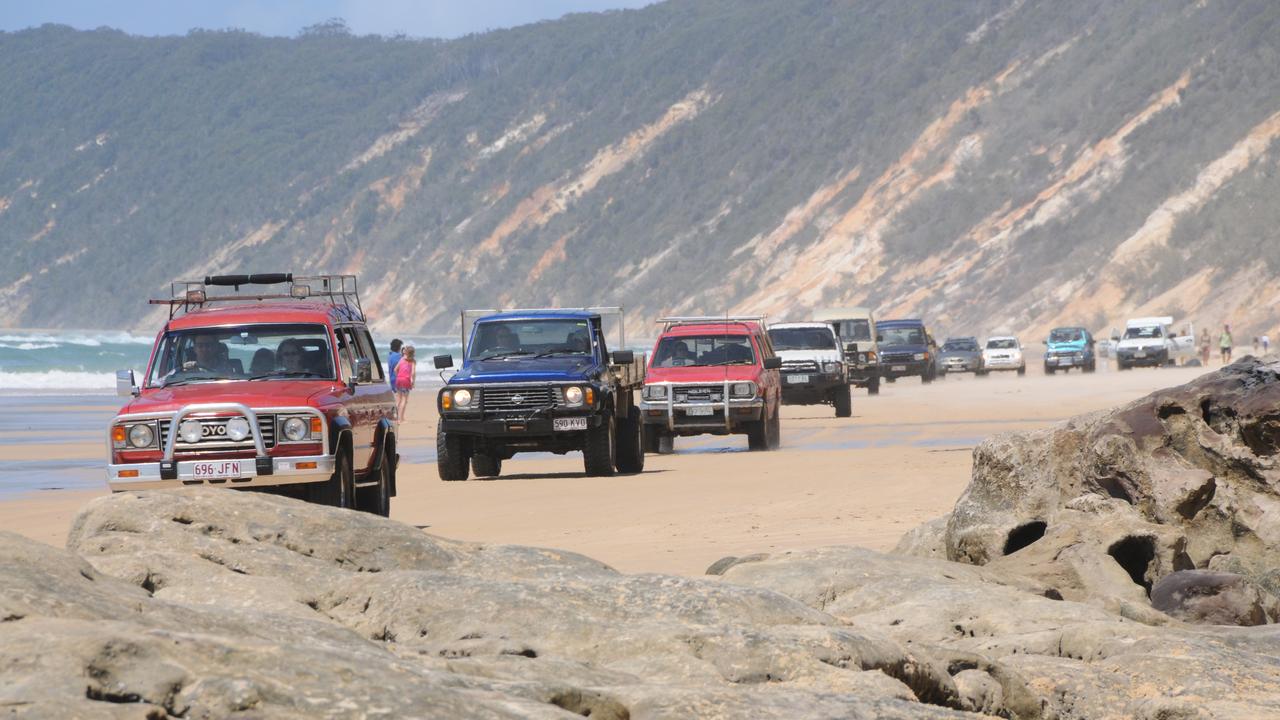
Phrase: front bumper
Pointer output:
(809, 388)
(1066, 361)
(1003, 364)
(698, 416)
(961, 365)
(513, 426)
(903, 368)
(283, 471)
(1148, 357)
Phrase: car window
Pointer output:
(1142, 333)
(902, 336)
(506, 338)
(1063, 335)
(853, 329)
(1002, 344)
(369, 351)
(244, 352)
(704, 350)
(802, 339)
(348, 352)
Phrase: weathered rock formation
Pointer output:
(1104, 506)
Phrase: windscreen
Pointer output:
(703, 351)
(246, 352)
(960, 346)
(1143, 333)
(1002, 344)
(802, 339)
(850, 330)
(902, 336)
(496, 339)
(1065, 335)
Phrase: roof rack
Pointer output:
(188, 295)
(469, 317)
(670, 322)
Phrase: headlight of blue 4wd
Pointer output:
(141, 436)
(743, 389)
(918, 356)
(831, 368)
(573, 395)
(462, 398)
(654, 392)
(295, 429)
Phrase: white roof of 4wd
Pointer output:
(1002, 337)
(842, 313)
(1149, 321)
(815, 325)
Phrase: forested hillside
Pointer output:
(990, 165)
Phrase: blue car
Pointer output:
(1069, 347)
(906, 349)
(540, 381)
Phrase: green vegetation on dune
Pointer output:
(143, 157)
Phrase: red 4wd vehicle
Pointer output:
(282, 391)
(716, 375)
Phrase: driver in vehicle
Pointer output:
(211, 355)
(680, 356)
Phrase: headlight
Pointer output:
(654, 392)
(190, 431)
(919, 356)
(141, 436)
(462, 398)
(237, 428)
(741, 390)
(831, 368)
(295, 429)
(573, 395)
(862, 357)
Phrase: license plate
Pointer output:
(216, 469)
(797, 378)
(569, 423)
(1139, 354)
(708, 410)
(898, 368)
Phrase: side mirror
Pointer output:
(442, 361)
(623, 357)
(1115, 338)
(773, 363)
(364, 370)
(125, 387)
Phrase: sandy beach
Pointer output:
(902, 459)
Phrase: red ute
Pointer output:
(261, 390)
(712, 375)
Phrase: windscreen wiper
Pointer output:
(509, 353)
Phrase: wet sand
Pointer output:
(902, 459)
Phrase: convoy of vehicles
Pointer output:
(282, 391)
(716, 375)
(906, 349)
(1151, 342)
(1069, 347)
(540, 381)
(961, 354)
(813, 369)
(856, 327)
(1003, 352)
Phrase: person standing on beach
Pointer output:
(1225, 343)
(1204, 346)
(406, 374)
(1266, 344)
(393, 358)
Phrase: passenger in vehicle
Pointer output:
(264, 361)
(289, 353)
(578, 342)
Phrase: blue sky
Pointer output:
(418, 18)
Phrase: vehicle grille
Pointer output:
(518, 399)
(698, 393)
(799, 366)
(895, 357)
(266, 424)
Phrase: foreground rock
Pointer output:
(215, 603)
(1104, 506)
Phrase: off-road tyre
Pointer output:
(340, 489)
(843, 401)
(377, 498)
(873, 387)
(484, 465)
(652, 439)
(597, 453)
(891, 379)
(451, 461)
(1049, 370)
(773, 430)
(1022, 370)
(926, 377)
(666, 444)
(758, 434)
(1091, 367)
(981, 373)
(629, 454)
(1121, 366)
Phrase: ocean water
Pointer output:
(86, 361)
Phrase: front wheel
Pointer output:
(1092, 366)
(1022, 370)
(873, 387)
(378, 496)
(485, 465)
(340, 489)
(843, 402)
(926, 378)
(629, 455)
(451, 459)
(1049, 370)
(597, 454)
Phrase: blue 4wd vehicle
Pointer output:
(539, 381)
(906, 348)
(1069, 347)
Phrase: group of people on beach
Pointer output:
(1226, 342)
(402, 373)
